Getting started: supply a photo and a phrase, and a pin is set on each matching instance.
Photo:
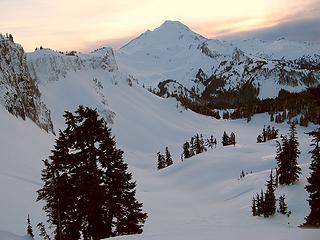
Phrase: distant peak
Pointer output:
(173, 24)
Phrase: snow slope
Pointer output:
(200, 198)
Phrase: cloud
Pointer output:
(295, 30)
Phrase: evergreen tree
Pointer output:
(29, 228)
(232, 139)
(261, 201)
(43, 232)
(294, 151)
(254, 207)
(161, 161)
(88, 192)
(186, 152)
(282, 205)
(270, 199)
(225, 139)
(198, 145)
(168, 159)
(287, 155)
(313, 187)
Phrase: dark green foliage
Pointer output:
(313, 186)
(265, 203)
(287, 158)
(168, 158)
(270, 199)
(164, 160)
(43, 232)
(283, 209)
(186, 152)
(87, 189)
(226, 140)
(29, 228)
(254, 207)
(197, 145)
(267, 134)
(161, 161)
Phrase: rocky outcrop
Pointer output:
(19, 93)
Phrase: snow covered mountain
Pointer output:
(174, 52)
(199, 198)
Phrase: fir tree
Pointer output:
(282, 205)
(232, 139)
(254, 207)
(186, 151)
(43, 233)
(287, 155)
(294, 151)
(29, 228)
(161, 161)
(87, 189)
(225, 139)
(313, 187)
(270, 199)
(168, 159)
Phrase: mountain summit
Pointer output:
(171, 34)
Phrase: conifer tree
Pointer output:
(261, 201)
(225, 139)
(43, 233)
(313, 187)
(287, 155)
(161, 161)
(186, 151)
(168, 159)
(88, 192)
(282, 205)
(29, 228)
(254, 207)
(232, 139)
(270, 199)
(294, 151)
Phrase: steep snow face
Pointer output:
(170, 36)
(46, 65)
(19, 93)
(174, 52)
(168, 52)
(67, 81)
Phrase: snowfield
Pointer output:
(200, 198)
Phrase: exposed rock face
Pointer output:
(19, 93)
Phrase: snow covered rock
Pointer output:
(19, 93)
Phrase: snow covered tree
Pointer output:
(283, 209)
(161, 161)
(168, 158)
(87, 190)
(29, 228)
(313, 187)
(254, 207)
(186, 151)
(43, 233)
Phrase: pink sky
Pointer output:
(85, 25)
